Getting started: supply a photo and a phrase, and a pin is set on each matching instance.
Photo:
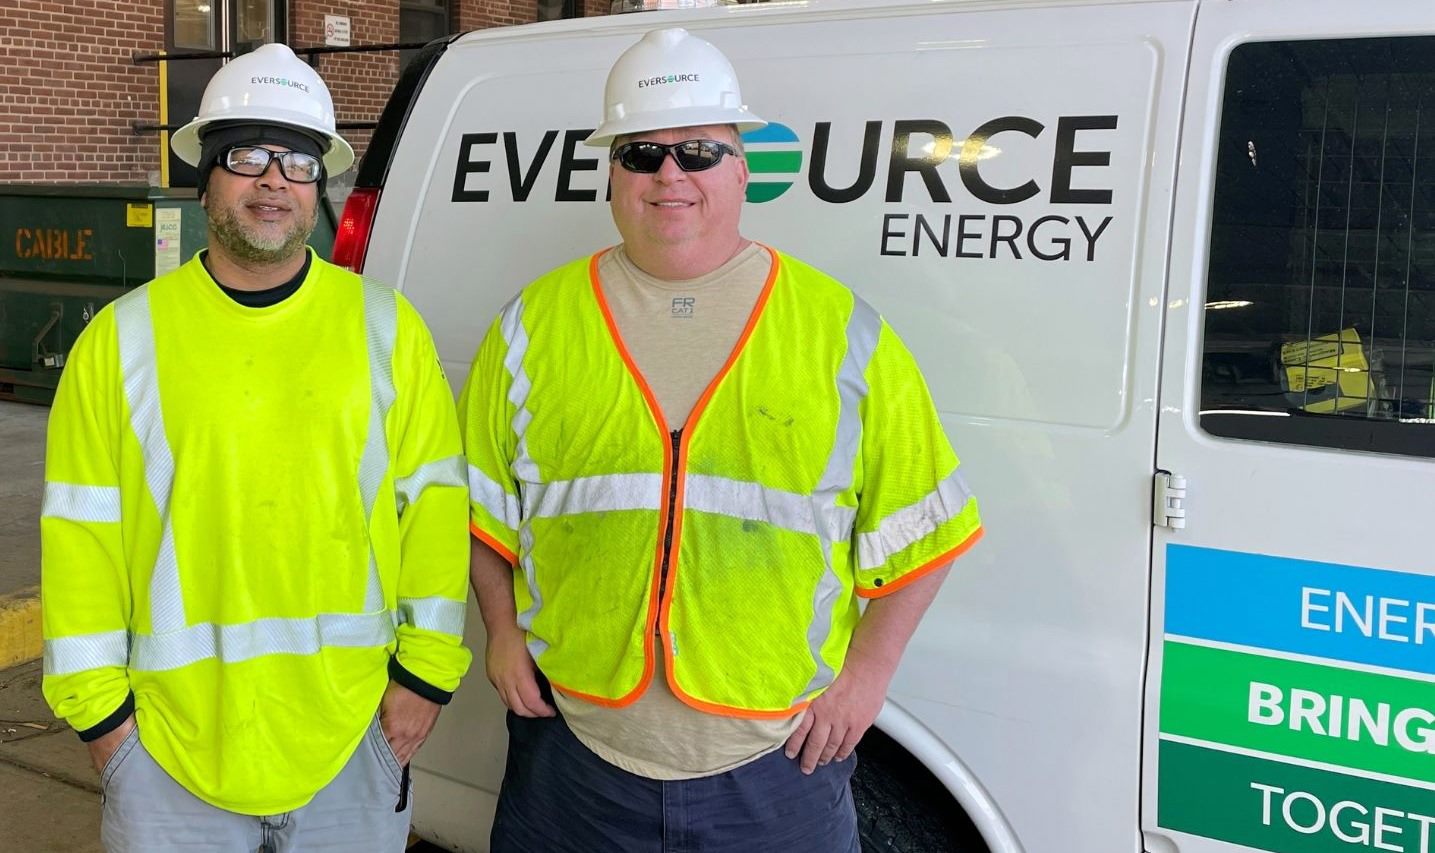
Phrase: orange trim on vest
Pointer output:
(497, 546)
(672, 470)
(726, 711)
(621, 702)
(693, 421)
(651, 619)
(924, 569)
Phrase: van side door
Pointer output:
(1291, 684)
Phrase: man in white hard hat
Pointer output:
(254, 561)
(689, 456)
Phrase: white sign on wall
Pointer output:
(167, 228)
(336, 31)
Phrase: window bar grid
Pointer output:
(1315, 244)
(1345, 253)
(1370, 390)
(1410, 245)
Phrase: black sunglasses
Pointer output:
(251, 162)
(694, 155)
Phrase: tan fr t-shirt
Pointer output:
(679, 334)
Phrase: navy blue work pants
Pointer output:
(559, 797)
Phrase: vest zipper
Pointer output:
(677, 437)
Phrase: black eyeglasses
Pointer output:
(296, 166)
(694, 155)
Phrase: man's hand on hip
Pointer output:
(835, 721)
(406, 718)
(102, 749)
(514, 674)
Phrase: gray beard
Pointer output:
(250, 248)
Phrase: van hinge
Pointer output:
(1168, 503)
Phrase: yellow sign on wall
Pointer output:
(139, 215)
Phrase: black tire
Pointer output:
(901, 808)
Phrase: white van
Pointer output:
(1169, 268)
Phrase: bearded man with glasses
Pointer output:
(689, 456)
(254, 556)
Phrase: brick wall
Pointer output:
(482, 14)
(69, 90)
(359, 82)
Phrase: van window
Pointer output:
(1320, 298)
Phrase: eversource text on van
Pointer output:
(915, 148)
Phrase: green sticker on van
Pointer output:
(1271, 805)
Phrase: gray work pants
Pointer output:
(146, 811)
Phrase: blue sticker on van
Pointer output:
(1347, 613)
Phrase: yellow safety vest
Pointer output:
(247, 512)
(811, 471)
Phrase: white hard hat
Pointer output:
(671, 78)
(273, 86)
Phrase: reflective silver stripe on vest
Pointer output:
(516, 337)
(601, 493)
(440, 472)
(380, 330)
(139, 367)
(98, 504)
(173, 642)
(749, 501)
(910, 524)
(69, 655)
(703, 493)
(524, 467)
(443, 615)
(249, 640)
(536, 646)
(864, 327)
(493, 498)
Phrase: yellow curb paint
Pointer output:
(19, 627)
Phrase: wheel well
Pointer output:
(892, 784)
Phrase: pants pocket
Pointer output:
(384, 752)
(118, 757)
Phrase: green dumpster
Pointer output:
(68, 250)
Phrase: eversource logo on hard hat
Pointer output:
(667, 78)
(279, 81)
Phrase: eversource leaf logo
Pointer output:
(774, 157)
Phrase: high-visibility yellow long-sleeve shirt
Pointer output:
(253, 517)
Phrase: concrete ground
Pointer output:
(49, 795)
(22, 484)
